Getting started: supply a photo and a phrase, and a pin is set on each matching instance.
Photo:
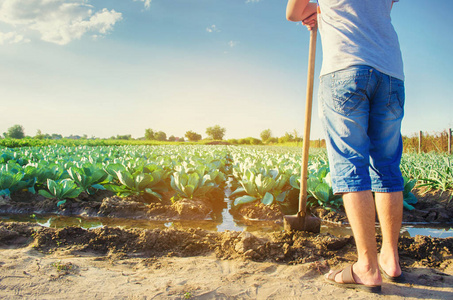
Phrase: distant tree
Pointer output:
(254, 141)
(192, 136)
(297, 138)
(39, 135)
(56, 136)
(181, 139)
(266, 135)
(16, 132)
(288, 137)
(160, 136)
(172, 138)
(244, 142)
(123, 137)
(216, 132)
(149, 134)
(272, 140)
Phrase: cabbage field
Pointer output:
(268, 176)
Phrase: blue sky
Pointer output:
(108, 67)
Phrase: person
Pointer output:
(361, 96)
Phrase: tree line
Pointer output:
(214, 133)
(431, 141)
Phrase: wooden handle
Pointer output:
(308, 107)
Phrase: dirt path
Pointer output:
(27, 273)
(114, 263)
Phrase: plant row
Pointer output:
(259, 174)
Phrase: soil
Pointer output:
(432, 207)
(259, 212)
(48, 263)
(106, 204)
(281, 247)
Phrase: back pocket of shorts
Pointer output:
(349, 93)
(397, 98)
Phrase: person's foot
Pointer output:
(353, 276)
(391, 268)
(362, 275)
(390, 265)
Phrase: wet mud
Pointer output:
(433, 207)
(321, 250)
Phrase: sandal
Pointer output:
(349, 282)
(394, 279)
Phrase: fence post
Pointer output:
(420, 137)
(449, 141)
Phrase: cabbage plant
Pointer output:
(138, 182)
(408, 197)
(195, 184)
(267, 189)
(319, 187)
(61, 190)
(89, 178)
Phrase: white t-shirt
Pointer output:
(359, 32)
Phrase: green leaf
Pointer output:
(45, 194)
(61, 203)
(239, 190)
(52, 187)
(244, 199)
(116, 188)
(313, 183)
(143, 181)
(410, 198)
(201, 191)
(294, 182)
(259, 184)
(5, 192)
(188, 190)
(194, 179)
(249, 188)
(409, 185)
(98, 187)
(322, 192)
(151, 192)
(268, 199)
(408, 206)
(174, 185)
(281, 197)
(125, 178)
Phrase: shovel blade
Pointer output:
(299, 223)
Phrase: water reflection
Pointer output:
(227, 222)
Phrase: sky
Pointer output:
(116, 67)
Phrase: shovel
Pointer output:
(301, 221)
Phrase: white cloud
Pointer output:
(147, 3)
(57, 21)
(233, 44)
(252, 1)
(212, 28)
(12, 38)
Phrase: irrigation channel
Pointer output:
(223, 221)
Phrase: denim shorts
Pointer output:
(361, 110)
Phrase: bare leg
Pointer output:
(360, 209)
(390, 212)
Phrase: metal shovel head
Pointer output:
(302, 223)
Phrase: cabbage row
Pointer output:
(258, 174)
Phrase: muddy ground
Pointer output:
(432, 207)
(109, 262)
(112, 263)
(321, 250)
